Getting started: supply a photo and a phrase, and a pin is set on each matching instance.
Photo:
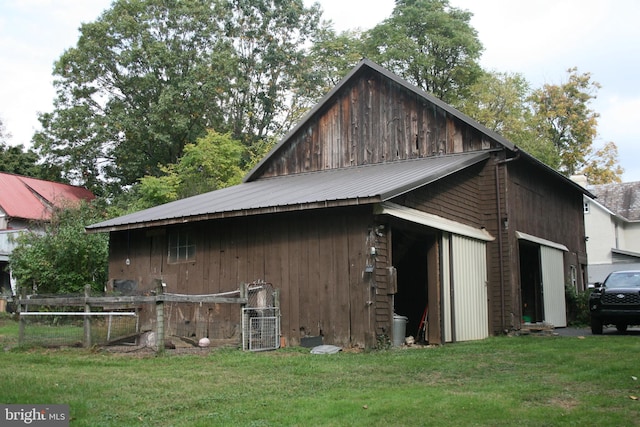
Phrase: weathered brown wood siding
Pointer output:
(500, 265)
(382, 287)
(469, 197)
(456, 197)
(540, 204)
(373, 120)
(316, 258)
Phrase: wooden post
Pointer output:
(276, 305)
(87, 319)
(21, 308)
(243, 295)
(160, 317)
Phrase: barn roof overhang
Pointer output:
(351, 186)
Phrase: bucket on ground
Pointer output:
(399, 329)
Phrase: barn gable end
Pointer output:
(373, 117)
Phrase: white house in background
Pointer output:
(612, 227)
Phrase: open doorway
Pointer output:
(410, 257)
(531, 282)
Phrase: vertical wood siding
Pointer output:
(373, 120)
(540, 207)
(316, 259)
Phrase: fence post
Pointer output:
(276, 305)
(160, 317)
(87, 319)
(243, 295)
(21, 308)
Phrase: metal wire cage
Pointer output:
(260, 319)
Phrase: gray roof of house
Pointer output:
(336, 187)
(623, 199)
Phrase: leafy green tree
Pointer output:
(334, 55)
(15, 159)
(270, 64)
(150, 76)
(499, 102)
(211, 163)
(553, 123)
(562, 117)
(431, 44)
(62, 258)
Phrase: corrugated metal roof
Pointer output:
(623, 199)
(32, 199)
(336, 187)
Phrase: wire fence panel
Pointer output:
(260, 318)
(214, 321)
(154, 319)
(260, 329)
(76, 329)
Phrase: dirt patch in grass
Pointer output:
(566, 403)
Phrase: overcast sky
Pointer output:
(539, 38)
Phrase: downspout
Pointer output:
(498, 163)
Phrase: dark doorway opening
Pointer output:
(5, 279)
(410, 250)
(531, 282)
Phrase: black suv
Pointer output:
(616, 301)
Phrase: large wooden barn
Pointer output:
(382, 200)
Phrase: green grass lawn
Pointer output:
(500, 381)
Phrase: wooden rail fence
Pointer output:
(159, 299)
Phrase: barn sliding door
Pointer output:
(552, 263)
(466, 309)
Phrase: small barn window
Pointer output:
(182, 246)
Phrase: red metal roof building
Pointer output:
(24, 199)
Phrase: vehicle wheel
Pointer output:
(596, 326)
(621, 327)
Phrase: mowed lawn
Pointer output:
(500, 381)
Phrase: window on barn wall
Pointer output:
(182, 246)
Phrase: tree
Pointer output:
(562, 117)
(602, 167)
(63, 258)
(498, 101)
(431, 44)
(334, 55)
(271, 64)
(211, 163)
(150, 76)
